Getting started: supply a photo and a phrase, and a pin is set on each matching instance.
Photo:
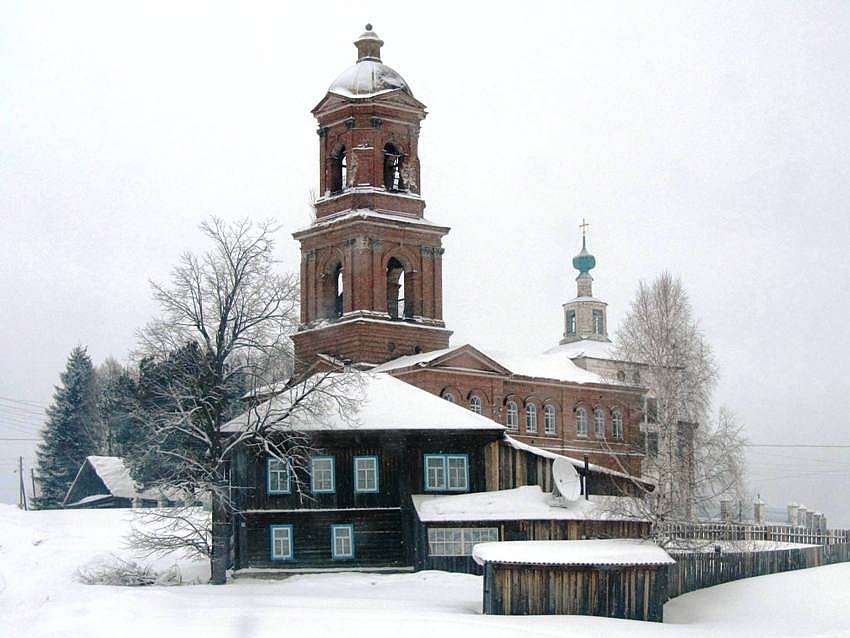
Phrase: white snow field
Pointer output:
(39, 552)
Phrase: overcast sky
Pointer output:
(707, 139)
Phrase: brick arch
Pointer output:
(409, 261)
(454, 391)
(519, 404)
(486, 404)
(326, 293)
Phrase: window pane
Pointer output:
(281, 542)
(278, 476)
(435, 473)
(457, 472)
(343, 541)
(366, 474)
(322, 474)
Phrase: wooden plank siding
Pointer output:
(612, 591)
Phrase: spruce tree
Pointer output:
(71, 432)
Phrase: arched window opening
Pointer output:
(393, 160)
(475, 404)
(531, 418)
(581, 422)
(339, 171)
(338, 291)
(571, 322)
(448, 396)
(617, 422)
(511, 416)
(599, 423)
(549, 419)
(398, 303)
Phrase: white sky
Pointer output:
(711, 140)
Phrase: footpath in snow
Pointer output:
(39, 552)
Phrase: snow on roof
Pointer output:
(587, 552)
(585, 348)
(544, 366)
(368, 213)
(116, 477)
(412, 360)
(519, 445)
(521, 503)
(382, 403)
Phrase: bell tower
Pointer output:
(371, 264)
(585, 316)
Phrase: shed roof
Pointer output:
(578, 553)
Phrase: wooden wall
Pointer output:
(633, 592)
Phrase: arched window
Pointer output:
(571, 322)
(393, 159)
(511, 416)
(598, 322)
(581, 422)
(339, 171)
(531, 418)
(599, 423)
(448, 396)
(397, 291)
(475, 404)
(549, 419)
(617, 422)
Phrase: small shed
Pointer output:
(623, 578)
(105, 482)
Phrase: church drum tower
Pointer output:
(371, 264)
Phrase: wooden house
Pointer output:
(105, 482)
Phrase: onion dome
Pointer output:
(369, 76)
(584, 261)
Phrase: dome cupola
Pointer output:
(368, 76)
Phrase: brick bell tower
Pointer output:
(371, 264)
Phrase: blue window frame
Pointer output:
(342, 542)
(277, 477)
(446, 472)
(280, 542)
(322, 479)
(366, 475)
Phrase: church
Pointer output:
(454, 443)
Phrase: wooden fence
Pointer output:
(695, 570)
(751, 532)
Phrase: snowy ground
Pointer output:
(39, 552)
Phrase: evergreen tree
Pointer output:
(118, 406)
(71, 432)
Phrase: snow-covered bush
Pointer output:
(110, 569)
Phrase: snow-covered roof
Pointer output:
(412, 360)
(368, 78)
(521, 503)
(381, 402)
(587, 552)
(116, 476)
(584, 348)
(368, 213)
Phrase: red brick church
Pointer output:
(371, 288)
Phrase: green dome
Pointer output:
(584, 261)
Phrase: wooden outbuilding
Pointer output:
(613, 578)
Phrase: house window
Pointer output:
(322, 475)
(448, 396)
(449, 472)
(475, 404)
(531, 418)
(617, 423)
(581, 422)
(365, 474)
(281, 542)
(598, 322)
(277, 477)
(512, 416)
(571, 322)
(549, 419)
(342, 542)
(599, 423)
(458, 541)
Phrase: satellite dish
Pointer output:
(566, 479)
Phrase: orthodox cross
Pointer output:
(584, 225)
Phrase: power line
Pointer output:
(23, 402)
(14, 439)
(817, 445)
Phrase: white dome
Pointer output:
(368, 78)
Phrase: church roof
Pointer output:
(584, 348)
(368, 78)
(377, 401)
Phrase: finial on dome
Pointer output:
(369, 45)
(584, 262)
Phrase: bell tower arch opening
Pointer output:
(338, 170)
(399, 295)
(393, 168)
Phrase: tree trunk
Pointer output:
(220, 540)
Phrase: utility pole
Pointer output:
(22, 499)
(32, 476)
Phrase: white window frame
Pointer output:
(366, 478)
(617, 424)
(581, 422)
(512, 416)
(599, 423)
(441, 476)
(342, 542)
(277, 477)
(322, 479)
(458, 541)
(280, 537)
(475, 403)
(549, 420)
(531, 418)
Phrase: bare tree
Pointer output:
(690, 460)
(224, 332)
